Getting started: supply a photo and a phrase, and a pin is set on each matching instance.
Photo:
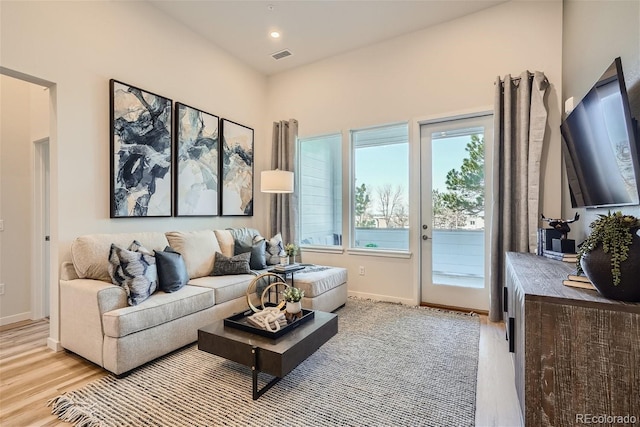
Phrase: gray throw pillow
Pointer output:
(172, 271)
(223, 265)
(257, 250)
(133, 269)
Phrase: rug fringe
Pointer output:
(66, 410)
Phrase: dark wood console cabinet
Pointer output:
(576, 354)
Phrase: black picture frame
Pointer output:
(140, 152)
(197, 154)
(236, 169)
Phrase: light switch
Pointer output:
(568, 105)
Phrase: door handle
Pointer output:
(425, 237)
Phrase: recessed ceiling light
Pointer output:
(275, 34)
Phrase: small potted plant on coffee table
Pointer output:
(293, 297)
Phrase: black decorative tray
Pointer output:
(239, 321)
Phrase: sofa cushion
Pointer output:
(90, 253)
(134, 269)
(257, 250)
(244, 234)
(198, 248)
(317, 279)
(226, 288)
(225, 240)
(238, 264)
(172, 271)
(159, 309)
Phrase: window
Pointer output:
(380, 187)
(320, 196)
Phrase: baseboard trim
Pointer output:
(15, 318)
(378, 297)
(452, 308)
(54, 345)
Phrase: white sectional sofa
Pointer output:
(98, 323)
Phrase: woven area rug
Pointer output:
(389, 365)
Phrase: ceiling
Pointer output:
(310, 29)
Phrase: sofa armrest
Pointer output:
(82, 303)
(68, 271)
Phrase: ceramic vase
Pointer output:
(293, 311)
(294, 307)
(597, 266)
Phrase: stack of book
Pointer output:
(570, 257)
(576, 281)
(287, 267)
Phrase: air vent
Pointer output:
(281, 54)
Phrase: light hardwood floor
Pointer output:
(31, 374)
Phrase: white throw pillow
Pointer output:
(198, 248)
(274, 250)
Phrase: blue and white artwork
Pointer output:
(237, 169)
(140, 152)
(198, 159)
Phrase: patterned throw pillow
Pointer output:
(223, 265)
(133, 269)
(275, 249)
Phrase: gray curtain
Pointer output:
(520, 119)
(284, 207)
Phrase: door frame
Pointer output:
(40, 250)
(475, 114)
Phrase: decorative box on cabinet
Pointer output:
(576, 354)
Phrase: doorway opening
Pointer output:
(25, 255)
(455, 206)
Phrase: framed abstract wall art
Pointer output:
(198, 162)
(237, 169)
(141, 152)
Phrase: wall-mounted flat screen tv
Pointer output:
(601, 147)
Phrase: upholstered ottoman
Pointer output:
(325, 288)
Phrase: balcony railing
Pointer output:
(457, 255)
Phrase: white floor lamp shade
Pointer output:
(276, 181)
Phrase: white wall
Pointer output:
(39, 112)
(596, 32)
(24, 118)
(436, 72)
(15, 199)
(79, 46)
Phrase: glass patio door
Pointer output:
(455, 165)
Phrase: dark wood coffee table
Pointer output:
(276, 357)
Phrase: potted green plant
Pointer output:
(610, 256)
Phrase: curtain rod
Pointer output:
(517, 79)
